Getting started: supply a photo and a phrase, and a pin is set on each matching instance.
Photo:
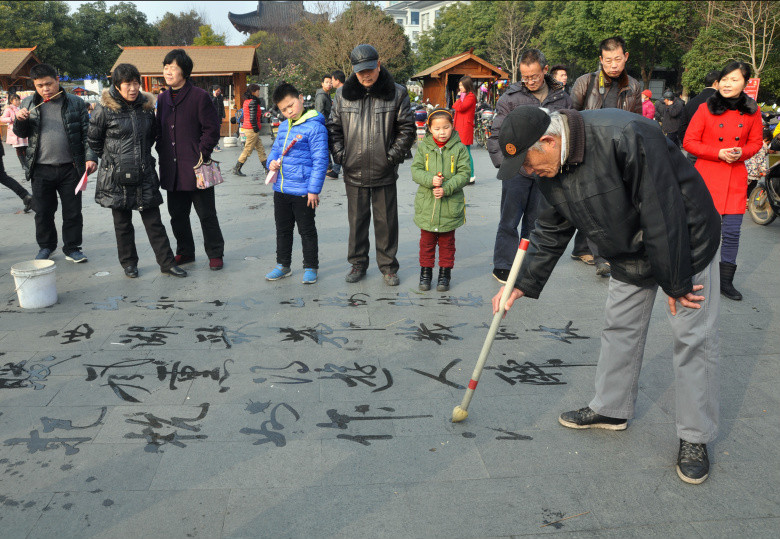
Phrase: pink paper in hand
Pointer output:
(82, 185)
(271, 178)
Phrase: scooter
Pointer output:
(764, 200)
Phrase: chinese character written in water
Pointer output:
(36, 443)
(438, 333)
(27, 373)
(148, 336)
(273, 436)
(154, 427)
(442, 376)
(364, 374)
(341, 422)
(358, 299)
(178, 373)
(320, 334)
(82, 331)
(561, 334)
(530, 373)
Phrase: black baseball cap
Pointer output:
(521, 129)
(363, 57)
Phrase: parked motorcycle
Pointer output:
(275, 120)
(420, 118)
(764, 200)
(484, 124)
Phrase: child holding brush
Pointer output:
(442, 169)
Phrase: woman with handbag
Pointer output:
(187, 132)
(19, 143)
(121, 132)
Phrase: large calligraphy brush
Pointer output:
(461, 412)
(46, 100)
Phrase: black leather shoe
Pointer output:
(585, 418)
(693, 464)
(176, 271)
(501, 275)
(131, 271)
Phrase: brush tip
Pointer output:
(459, 414)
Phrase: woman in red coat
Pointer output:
(464, 107)
(724, 132)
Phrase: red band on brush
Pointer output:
(473, 384)
(524, 245)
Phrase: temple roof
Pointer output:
(272, 16)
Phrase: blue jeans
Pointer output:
(519, 201)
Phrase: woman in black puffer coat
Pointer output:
(121, 132)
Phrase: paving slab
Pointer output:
(224, 405)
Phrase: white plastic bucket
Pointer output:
(36, 283)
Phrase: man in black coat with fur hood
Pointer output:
(371, 129)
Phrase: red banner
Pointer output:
(752, 88)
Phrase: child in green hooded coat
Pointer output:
(442, 169)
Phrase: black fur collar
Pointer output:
(383, 88)
(717, 105)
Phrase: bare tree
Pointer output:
(327, 44)
(753, 27)
(512, 33)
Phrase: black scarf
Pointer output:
(717, 104)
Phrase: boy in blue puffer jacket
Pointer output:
(299, 157)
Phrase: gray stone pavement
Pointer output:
(223, 405)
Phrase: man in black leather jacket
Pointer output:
(371, 128)
(614, 175)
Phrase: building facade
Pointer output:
(415, 17)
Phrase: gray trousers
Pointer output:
(383, 201)
(695, 356)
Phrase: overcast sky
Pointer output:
(215, 12)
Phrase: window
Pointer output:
(424, 21)
(414, 17)
(436, 14)
(399, 22)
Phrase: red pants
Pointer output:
(428, 242)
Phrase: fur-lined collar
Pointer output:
(553, 86)
(717, 104)
(383, 88)
(622, 80)
(113, 101)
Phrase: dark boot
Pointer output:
(426, 276)
(23, 161)
(727, 270)
(237, 169)
(444, 279)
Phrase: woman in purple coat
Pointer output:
(187, 129)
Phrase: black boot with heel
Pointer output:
(444, 279)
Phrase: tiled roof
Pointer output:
(271, 16)
(12, 59)
(212, 60)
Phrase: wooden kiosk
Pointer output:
(440, 81)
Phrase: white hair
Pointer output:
(554, 129)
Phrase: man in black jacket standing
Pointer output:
(711, 83)
(57, 156)
(371, 128)
(672, 117)
(219, 103)
(520, 195)
(615, 176)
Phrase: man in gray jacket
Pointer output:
(322, 104)
(371, 128)
(520, 195)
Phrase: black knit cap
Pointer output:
(521, 129)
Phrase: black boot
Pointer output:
(727, 270)
(237, 169)
(23, 161)
(426, 275)
(444, 279)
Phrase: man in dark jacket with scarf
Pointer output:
(57, 156)
(711, 83)
(608, 88)
(371, 128)
(617, 178)
(520, 195)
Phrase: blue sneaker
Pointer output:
(77, 257)
(279, 272)
(43, 254)
(309, 276)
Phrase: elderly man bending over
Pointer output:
(614, 175)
